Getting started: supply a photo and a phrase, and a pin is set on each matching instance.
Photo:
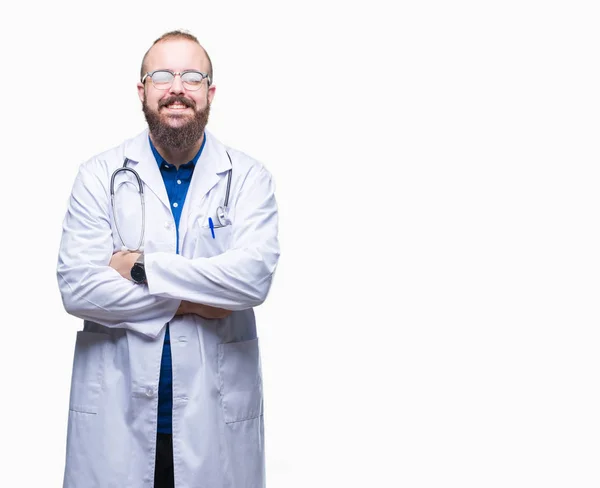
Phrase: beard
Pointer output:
(178, 138)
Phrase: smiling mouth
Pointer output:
(176, 106)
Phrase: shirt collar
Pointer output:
(160, 160)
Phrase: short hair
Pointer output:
(178, 34)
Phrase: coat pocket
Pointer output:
(88, 371)
(207, 245)
(240, 380)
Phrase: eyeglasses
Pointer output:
(162, 79)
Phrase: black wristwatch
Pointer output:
(138, 272)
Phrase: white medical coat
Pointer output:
(218, 437)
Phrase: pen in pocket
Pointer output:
(212, 227)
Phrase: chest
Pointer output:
(171, 218)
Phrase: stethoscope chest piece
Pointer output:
(223, 210)
(222, 216)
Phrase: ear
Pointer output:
(140, 89)
(211, 93)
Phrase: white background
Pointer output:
(434, 318)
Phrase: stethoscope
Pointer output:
(222, 210)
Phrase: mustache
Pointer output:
(177, 99)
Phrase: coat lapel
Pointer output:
(143, 161)
(212, 165)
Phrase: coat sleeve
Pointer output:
(89, 287)
(239, 278)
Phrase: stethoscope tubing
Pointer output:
(140, 247)
(124, 168)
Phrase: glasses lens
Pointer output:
(162, 79)
(192, 79)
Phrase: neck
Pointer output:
(178, 157)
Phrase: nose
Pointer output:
(177, 85)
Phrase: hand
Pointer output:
(204, 311)
(123, 261)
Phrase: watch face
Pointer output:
(138, 273)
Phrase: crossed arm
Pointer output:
(122, 262)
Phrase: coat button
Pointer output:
(149, 392)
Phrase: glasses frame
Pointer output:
(175, 73)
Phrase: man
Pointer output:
(166, 388)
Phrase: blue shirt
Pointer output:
(177, 182)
